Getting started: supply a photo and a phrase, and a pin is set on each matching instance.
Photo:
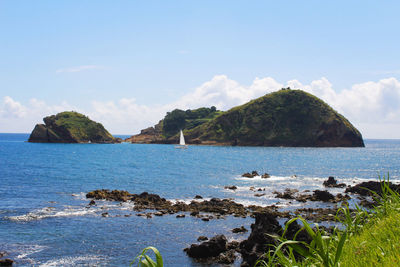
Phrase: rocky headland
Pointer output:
(70, 127)
(287, 117)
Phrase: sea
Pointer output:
(45, 219)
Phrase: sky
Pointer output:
(126, 63)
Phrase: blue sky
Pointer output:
(100, 57)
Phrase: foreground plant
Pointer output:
(145, 261)
(324, 249)
(328, 249)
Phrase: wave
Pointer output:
(50, 212)
(27, 250)
(87, 260)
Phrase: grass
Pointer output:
(144, 260)
(369, 238)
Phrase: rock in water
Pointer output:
(210, 248)
(6, 262)
(332, 182)
(257, 243)
(284, 118)
(70, 127)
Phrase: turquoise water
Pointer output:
(43, 214)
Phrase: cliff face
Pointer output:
(284, 118)
(70, 127)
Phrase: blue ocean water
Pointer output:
(44, 219)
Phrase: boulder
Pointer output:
(239, 230)
(257, 243)
(365, 188)
(287, 194)
(265, 175)
(230, 187)
(322, 196)
(6, 262)
(332, 182)
(115, 195)
(250, 175)
(211, 248)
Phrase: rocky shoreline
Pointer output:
(217, 249)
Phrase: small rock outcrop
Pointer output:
(365, 188)
(71, 127)
(257, 243)
(230, 187)
(6, 262)
(241, 229)
(322, 196)
(250, 175)
(211, 248)
(332, 182)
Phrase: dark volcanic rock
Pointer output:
(257, 243)
(287, 194)
(198, 197)
(230, 187)
(211, 248)
(365, 187)
(250, 175)
(115, 195)
(322, 196)
(239, 230)
(332, 182)
(265, 175)
(6, 262)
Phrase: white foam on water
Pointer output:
(50, 212)
(87, 260)
(246, 202)
(27, 250)
(80, 196)
(188, 200)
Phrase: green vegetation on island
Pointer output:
(70, 127)
(283, 118)
(177, 119)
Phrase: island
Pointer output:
(71, 127)
(288, 117)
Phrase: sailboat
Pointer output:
(182, 143)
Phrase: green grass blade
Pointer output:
(339, 248)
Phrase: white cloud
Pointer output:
(225, 93)
(373, 107)
(12, 108)
(79, 68)
(16, 117)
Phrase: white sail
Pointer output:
(182, 139)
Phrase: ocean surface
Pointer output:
(44, 219)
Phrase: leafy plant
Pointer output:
(145, 261)
(324, 249)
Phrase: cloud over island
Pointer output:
(373, 106)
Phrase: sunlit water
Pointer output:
(44, 219)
